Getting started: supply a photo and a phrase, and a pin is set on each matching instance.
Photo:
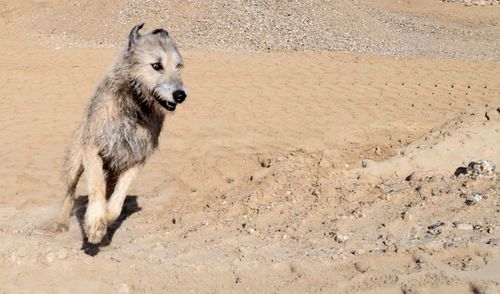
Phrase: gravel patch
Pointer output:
(263, 25)
(473, 2)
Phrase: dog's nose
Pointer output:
(179, 96)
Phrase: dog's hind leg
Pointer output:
(69, 200)
(73, 170)
(116, 200)
(96, 221)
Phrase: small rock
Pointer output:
(465, 227)
(436, 225)
(341, 238)
(123, 288)
(361, 267)
(460, 171)
(360, 251)
(477, 197)
(494, 241)
(482, 287)
(474, 199)
(50, 257)
(406, 216)
(265, 162)
(481, 167)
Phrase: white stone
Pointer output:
(341, 238)
(50, 257)
(465, 227)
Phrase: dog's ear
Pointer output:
(134, 35)
(160, 32)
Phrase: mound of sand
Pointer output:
(468, 136)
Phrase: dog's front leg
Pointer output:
(116, 200)
(96, 221)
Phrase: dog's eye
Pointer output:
(157, 66)
(179, 66)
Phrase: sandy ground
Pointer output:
(258, 185)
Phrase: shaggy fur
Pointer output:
(121, 127)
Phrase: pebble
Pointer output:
(477, 197)
(465, 227)
(474, 2)
(123, 288)
(266, 162)
(406, 216)
(494, 241)
(481, 167)
(474, 199)
(360, 251)
(361, 266)
(50, 257)
(341, 238)
(436, 225)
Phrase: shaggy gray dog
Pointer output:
(121, 127)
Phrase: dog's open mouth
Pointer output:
(170, 106)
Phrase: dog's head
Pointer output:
(155, 67)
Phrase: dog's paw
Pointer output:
(95, 231)
(96, 223)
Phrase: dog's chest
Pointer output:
(128, 143)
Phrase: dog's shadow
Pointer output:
(130, 206)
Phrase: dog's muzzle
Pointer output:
(179, 97)
(170, 106)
